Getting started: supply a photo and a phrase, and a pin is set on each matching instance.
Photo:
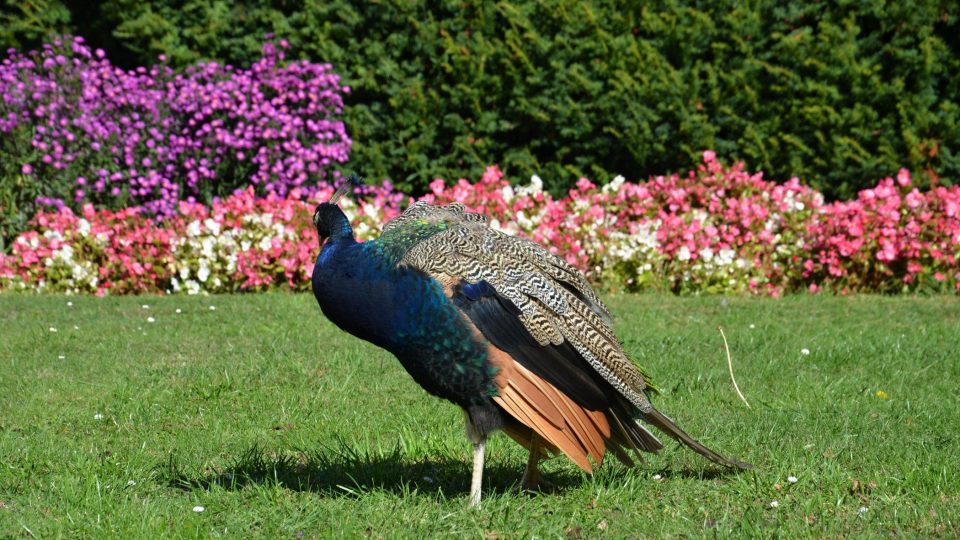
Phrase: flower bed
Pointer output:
(715, 229)
(150, 137)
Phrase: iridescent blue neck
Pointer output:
(340, 229)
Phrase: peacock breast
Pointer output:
(407, 312)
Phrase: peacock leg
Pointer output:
(531, 476)
(479, 441)
(477, 479)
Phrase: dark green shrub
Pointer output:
(24, 25)
(837, 93)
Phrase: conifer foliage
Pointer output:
(836, 93)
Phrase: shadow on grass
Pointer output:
(342, 471)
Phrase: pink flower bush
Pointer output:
(891, 238)
(242, 243)
(714, 229)
(96, 252)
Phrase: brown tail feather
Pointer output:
(665, 424)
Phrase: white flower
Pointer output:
(805, 351)
(657, 477)
(145, 306)
(507, 192)
(753, 326)
(193, 229)
(523, 220)
(151, 319)
(212, 226)
(684, 254)
(198, 509)
(614, 185)
(774, 503)
(184, 272)
(131, 483)
(69, 304)
(203, 273)
(178, 310)
(98, 416)
(725, 256)
(61, 357)
(192, 286)
(206, 247)
(863, 510)
(231, 262)
(536, 185)
(83, 227)
(792, 479)
(52, 329)
(213, 308)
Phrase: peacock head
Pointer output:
(329, 219)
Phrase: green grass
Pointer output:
(279, 425)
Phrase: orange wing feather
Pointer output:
(579, 433)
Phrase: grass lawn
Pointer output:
(118, 420)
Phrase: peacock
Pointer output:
(497, 325)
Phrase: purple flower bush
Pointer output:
(150, 137)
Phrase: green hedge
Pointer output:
(837, 93)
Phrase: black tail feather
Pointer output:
(666, 425)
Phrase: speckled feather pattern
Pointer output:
(555, 301)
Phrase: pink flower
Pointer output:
(903, 177)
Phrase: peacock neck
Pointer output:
(340, 230)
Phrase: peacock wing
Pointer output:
(551, 300)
